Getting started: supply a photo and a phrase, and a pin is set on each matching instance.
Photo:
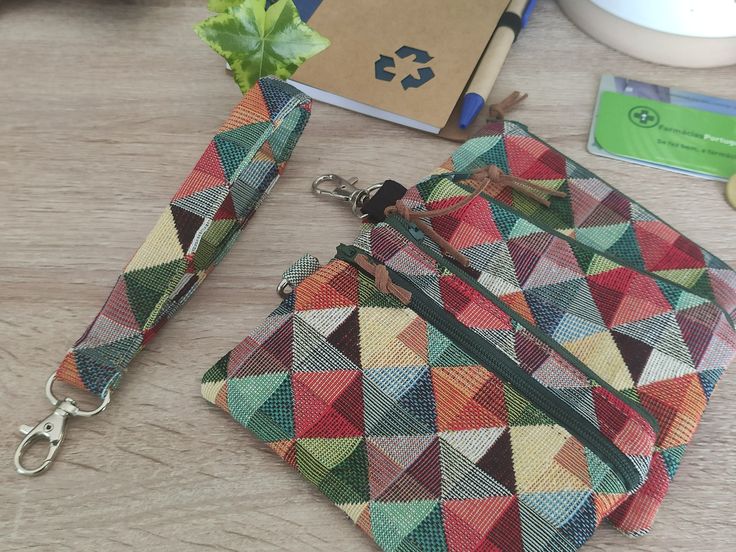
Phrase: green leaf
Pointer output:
(221, 6)
(258, 42)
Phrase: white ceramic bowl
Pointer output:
(683, 33)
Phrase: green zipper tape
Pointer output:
(407, 230)
(509, 372)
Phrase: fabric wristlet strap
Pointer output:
(192, 235)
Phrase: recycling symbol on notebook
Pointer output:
(414, 79)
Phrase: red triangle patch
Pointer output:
(209, 163)
(528, 158)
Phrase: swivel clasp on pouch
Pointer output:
(336, 186)
(51, 429)
(367, 203)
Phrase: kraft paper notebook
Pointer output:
(406, 61)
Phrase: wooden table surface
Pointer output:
(104, 108)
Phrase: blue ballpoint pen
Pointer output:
(512, 21)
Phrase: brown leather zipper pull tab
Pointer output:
(384, 284)
(498, 110)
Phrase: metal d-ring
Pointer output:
(284, 288)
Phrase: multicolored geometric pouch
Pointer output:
(511, 401)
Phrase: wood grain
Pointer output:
(105, 108)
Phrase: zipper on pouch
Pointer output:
(410, 232)
(508, 371)
(604, 254)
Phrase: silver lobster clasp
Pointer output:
(51, 429)
(336, 186)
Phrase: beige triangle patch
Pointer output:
(380, 344)
(161, 246)
(600, 353)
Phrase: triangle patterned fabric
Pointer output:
(193, 234)
(422, 447)
(638, 303)
(513, 404)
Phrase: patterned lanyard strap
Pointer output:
(194, 233)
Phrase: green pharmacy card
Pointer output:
(665, 128)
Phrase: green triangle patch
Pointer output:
(274, 420)
(627, 249)
(392, 522)
(218, 372)
(558, 215)
(146, 287)
(347, 482)
(216, 235)
(246, 395)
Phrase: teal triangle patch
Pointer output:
(557, 506)
(601, 237)
(246, 395)
(505, 220)
(247, 136)
(284, 139)
(524, 228)
(393, 522)
(384, 416)
(627, 249)
(274, 420)
(602, 477)
(117, 353)
(480, 151)
(443, 352)
(672, 458)
(430, 533)
(709, 379)
(231, 154)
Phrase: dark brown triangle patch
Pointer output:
(187, 224)
(346, 338)
(634, 352)
(227, 209)
(498, 462)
